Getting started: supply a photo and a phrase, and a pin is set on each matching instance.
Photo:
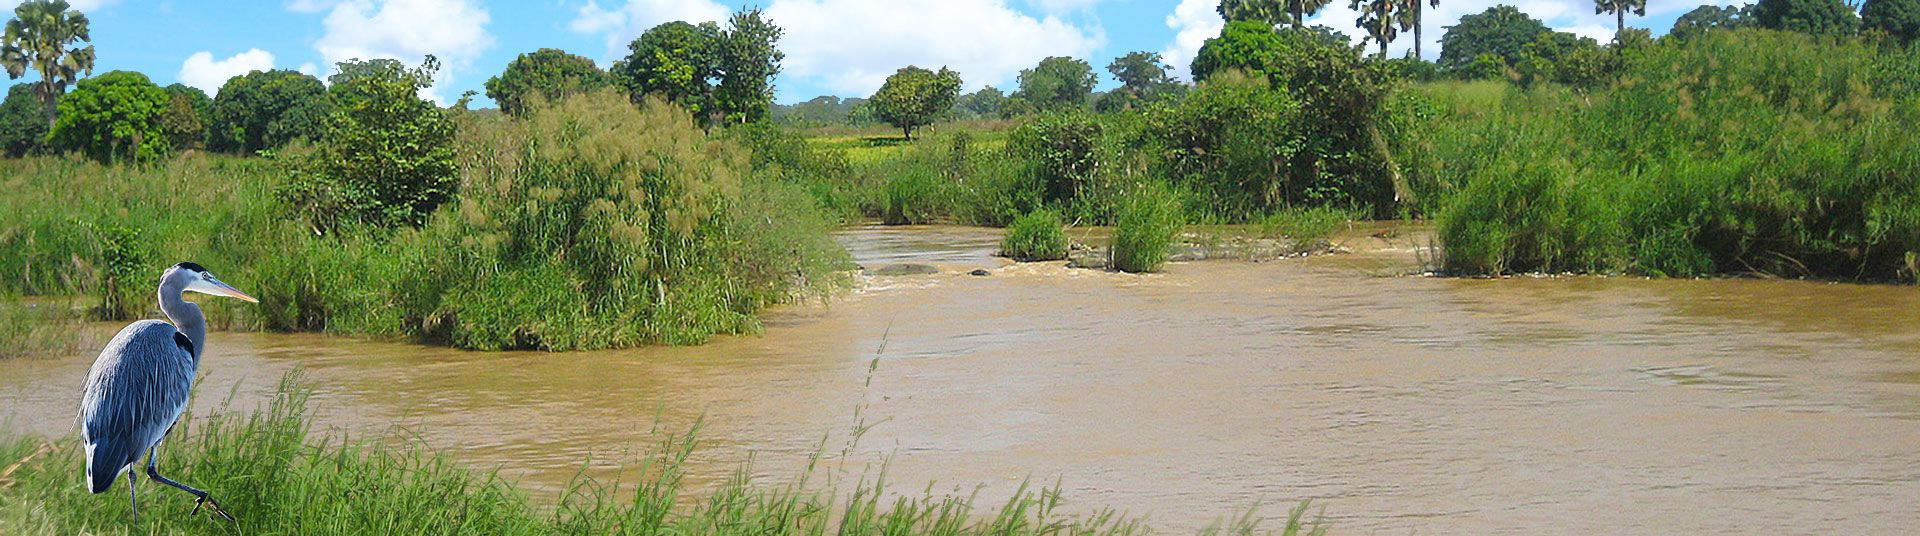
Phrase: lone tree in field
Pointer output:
(1619, 9)
(1271, 12)
(37, 39)
(1502, 31)
(549, 73)
(915, 97)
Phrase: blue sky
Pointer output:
(834, 47)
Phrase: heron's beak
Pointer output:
(223, 289)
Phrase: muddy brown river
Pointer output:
(1402, 405)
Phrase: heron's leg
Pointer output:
(206, 499)
(131, 495)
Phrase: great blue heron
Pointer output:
(139, 385)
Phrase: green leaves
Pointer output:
(387, 157)
(719, 75)
(913, 97)
(114, 116)
(264, 110)
(547, 74)
(36, 40)
(1057, 83)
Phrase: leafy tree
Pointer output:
(914, 97)
(1143, 77)
(1273, 13)
(113, 116)
(985, 103)
(186, 118)
(265, 110)
(749, 59)
(1619, 9)
(23, 125)
(1502, 30)
(676, 61)
(1813, 17)
(1898, 19)
(1242, 45)
(1710, 17)
(387, 157)
(1058, 82)
(1381, 19)
(37, 39)
(1416, 13)
(550, 74)
(1231, 141)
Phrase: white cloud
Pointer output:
(850, 46)
(624, 23)
(309, 69)
(1064, 6)
(1193, 23)
(201, 71)
(455, 31)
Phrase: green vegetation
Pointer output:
(23, 123)
(265, 110)
(1811, 175)
(1898, 20)
(42, 329)
(37, 40)
(276, 476)
(112, 117)
(1037, 236)
(1057, 83)
(720, 75)
(915, 97)
(1305, 226)
(387, 157)
(548, 74)
(1148, 222)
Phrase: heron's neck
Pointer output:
(185, 315)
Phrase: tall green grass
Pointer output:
(275, 476)
(1149, 220)
(593, 224)
(1750, 151)
(1037, 236)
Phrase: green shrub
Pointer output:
(23, 121)
(387, 158)
(265, 110)
(1148, 222)
(112, 117)
(1230, 141)
(1066, 147)
(1037, 236)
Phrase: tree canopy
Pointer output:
(185, 121)
(548, 74)
(1244, 45)
(1708, 18)
(23, 121)
(1058, 82)
(37, 40)
(1502, 31)
(718, 75)
(914, 97)
(265, 110)
(1814, 17)
(387, 157)
(749, 58)
(1898, 19)
(113, 116)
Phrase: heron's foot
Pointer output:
(213, 507)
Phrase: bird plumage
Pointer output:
(149, 374)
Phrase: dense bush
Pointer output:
(1066, 146)
(1037, 236)
(185, 121)
(1734, 151)
(265, 110)
(545, 74)
(23, 121)
(387, 157)
(1230, 142)
(113, 116)
(1148, 221)
(596, 223)
(1816, 17)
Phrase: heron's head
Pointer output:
(202, 281)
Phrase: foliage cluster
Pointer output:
(1036, 236)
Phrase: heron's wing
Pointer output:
(134, 393)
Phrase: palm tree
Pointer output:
(37, 38)
(1381, 19)
(1619, 9)
(1275, 12)
(1412, 14)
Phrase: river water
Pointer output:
(1402, 405)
